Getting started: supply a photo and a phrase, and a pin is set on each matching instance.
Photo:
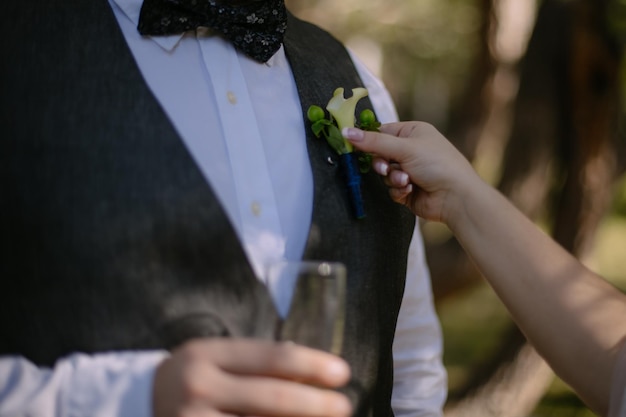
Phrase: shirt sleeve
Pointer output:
(420, 379)
(102, 385)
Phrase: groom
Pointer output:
(152, 165)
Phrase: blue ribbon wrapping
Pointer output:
(349, 164)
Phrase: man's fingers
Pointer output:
(199, 409)
(279, 398)
(281, 360)
(215, 377)
(271, 379)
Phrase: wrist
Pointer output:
(462, 201)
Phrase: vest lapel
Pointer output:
(316, 84)
(373, 249)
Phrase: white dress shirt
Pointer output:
(238, 119)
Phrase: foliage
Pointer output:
(616, 19)
(422, 50)
(619, 199)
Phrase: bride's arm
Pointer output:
(575, 319)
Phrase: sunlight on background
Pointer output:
(608, 255)
(422, 49)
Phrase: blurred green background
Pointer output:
(532, 93)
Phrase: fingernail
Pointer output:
(404, 178)
(381, 167)
(354, 134)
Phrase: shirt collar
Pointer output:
(132, 8)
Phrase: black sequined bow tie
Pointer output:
(256, 28)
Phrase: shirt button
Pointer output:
(232, 98)
(255, 207)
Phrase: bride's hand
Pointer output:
(422, 168)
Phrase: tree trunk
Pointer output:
(592, 147)
(469, 116)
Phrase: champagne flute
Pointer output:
(316, 313)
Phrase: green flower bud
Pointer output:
(315, 113)
(367, 117)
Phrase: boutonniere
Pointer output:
(342, 115)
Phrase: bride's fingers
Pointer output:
(393, 176)
(398, 178)
(400, 194)
(381, 166)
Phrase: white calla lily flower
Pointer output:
(343, 109)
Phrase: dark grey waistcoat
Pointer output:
(111, 237)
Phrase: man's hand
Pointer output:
(242, 377)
